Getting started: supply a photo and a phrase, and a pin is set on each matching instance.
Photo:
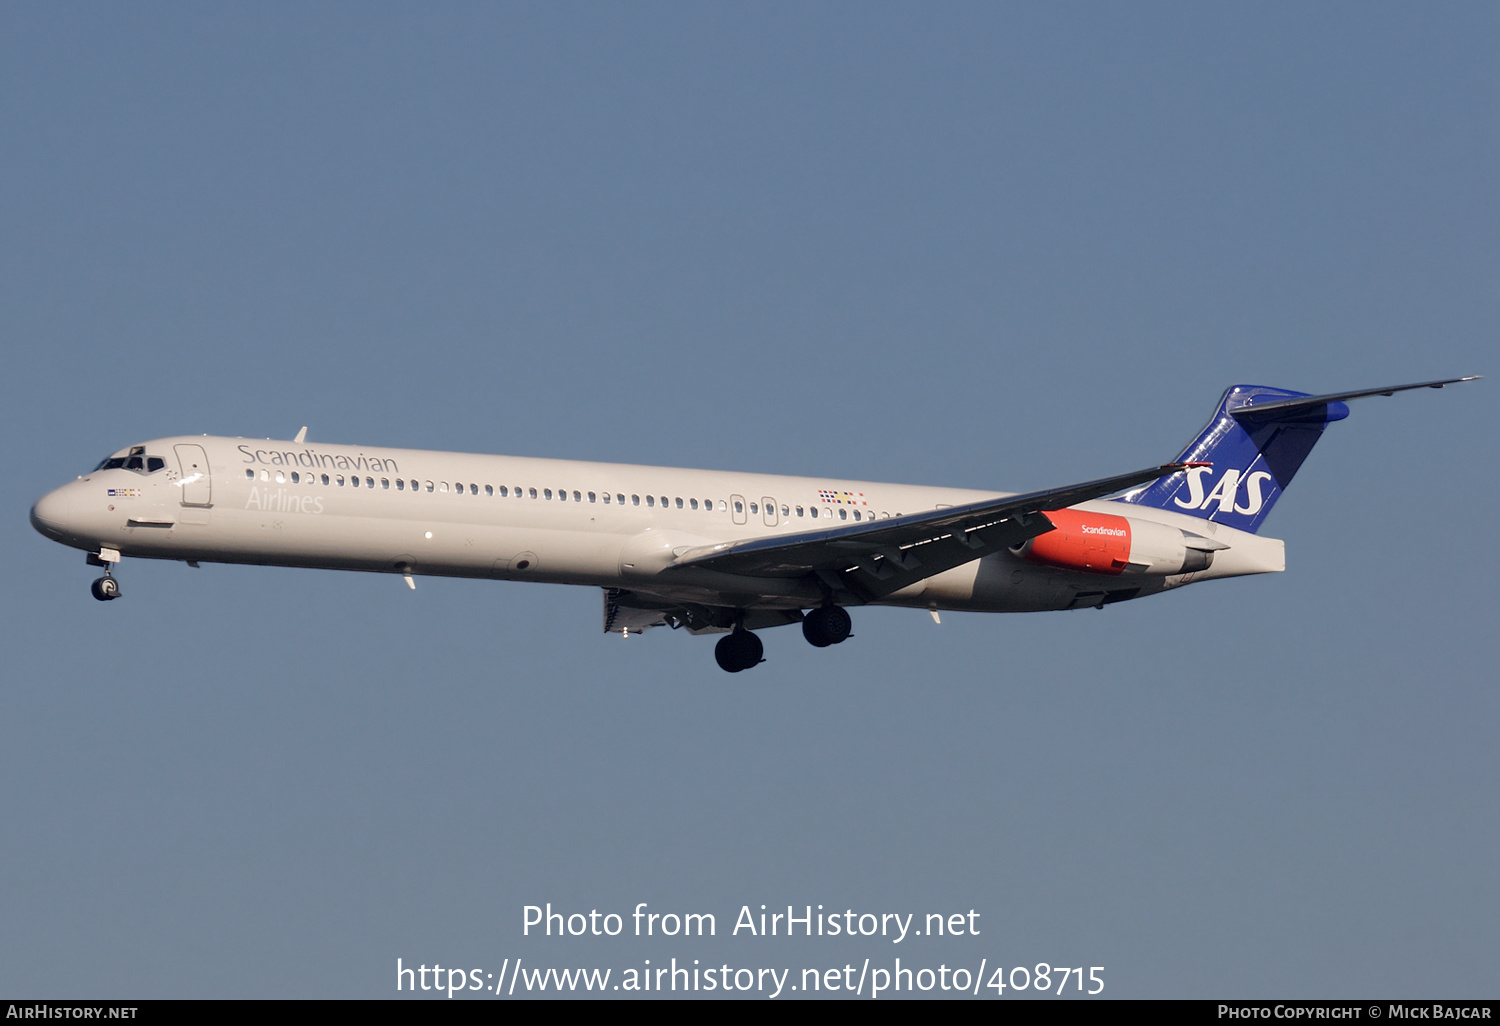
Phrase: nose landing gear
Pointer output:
(105, 588)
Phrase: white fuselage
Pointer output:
(606, 525)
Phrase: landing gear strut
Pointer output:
(105, 588)
(738, 651)
(826, 626)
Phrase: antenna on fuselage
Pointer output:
(301, 436)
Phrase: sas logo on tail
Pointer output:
(1225, 492)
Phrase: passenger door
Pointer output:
(197, 486)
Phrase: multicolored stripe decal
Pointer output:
(842, 498)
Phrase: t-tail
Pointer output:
(1253, 447)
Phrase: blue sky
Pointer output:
(1005, 246)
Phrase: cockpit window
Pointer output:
(136, 461)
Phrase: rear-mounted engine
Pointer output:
(1101, 543)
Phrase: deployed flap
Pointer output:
(883, 556)
(621, 617)
(632, 612)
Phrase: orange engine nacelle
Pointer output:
(1094, 542)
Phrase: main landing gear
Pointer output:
(105, 588)
(826, 626)
(738, 650)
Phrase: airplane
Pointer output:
(708, 551)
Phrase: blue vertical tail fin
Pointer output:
(1255, 443)
(1253, 457)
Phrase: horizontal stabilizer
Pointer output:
(1259, 409)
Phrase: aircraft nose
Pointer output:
(50, 513)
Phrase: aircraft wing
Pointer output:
(874, 559)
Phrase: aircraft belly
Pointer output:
(1001, 583)
(383, 544)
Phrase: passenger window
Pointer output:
(295, 477)
(651, 500)
(576, 496)
(369, 482)
(785, 512)
(547, 492)
(339, 479)
(635, 500)
(154, 463)
(489, 490)
(428, 486)
(249, 474)
(533, 493)
(755, 507)
(400, 484)
(265, 475)
(813, 512)
(799, 511)
(325, 478)
(505, 492)
(620, 498)
(459, 488)
(354, 481)
(280, 477)
(443, 486)
(592, 497)
(385, 482)
(722, 506)
(606, 498)
(739, 507)
(692, 504)
(843, 513)
(473, 489)
(562, 495)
